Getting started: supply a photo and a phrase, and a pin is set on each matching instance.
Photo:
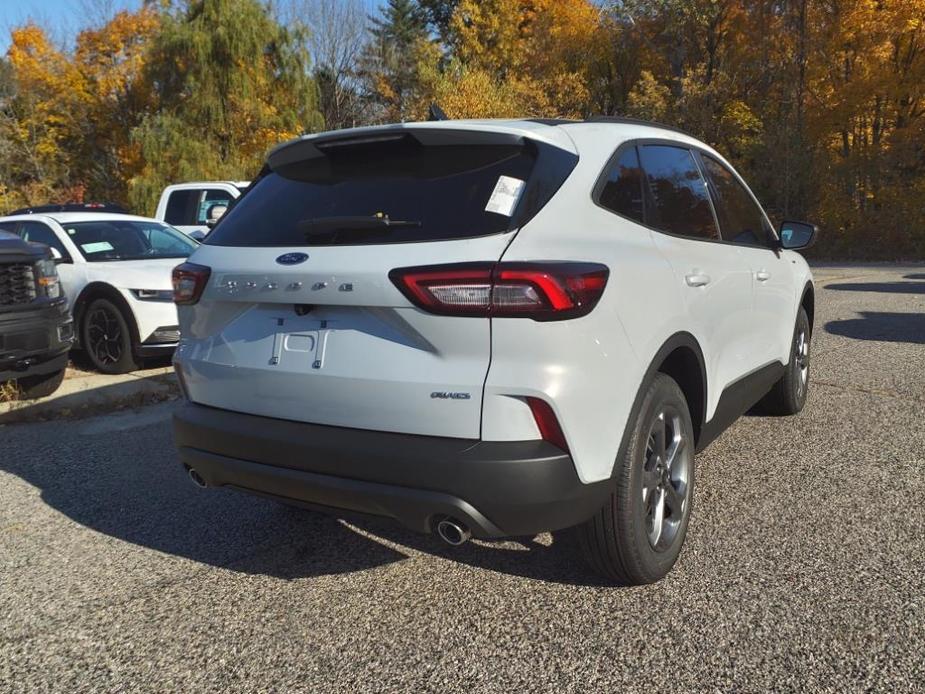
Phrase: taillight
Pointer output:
(541, 291)
(189, 280)
(547, 423)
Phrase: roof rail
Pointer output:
(72, 207)
(636, 121)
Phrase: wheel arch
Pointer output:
(102, 290)
(681, 358)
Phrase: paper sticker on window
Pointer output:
(98, 247)
(504, 197)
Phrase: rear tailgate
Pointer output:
(300, 320)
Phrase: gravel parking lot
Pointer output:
(802, 571)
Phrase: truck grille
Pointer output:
(17, 284)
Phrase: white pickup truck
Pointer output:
(195, 207)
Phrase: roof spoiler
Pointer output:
(304, 149)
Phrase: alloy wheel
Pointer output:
(801, 355)
(104, 336)
(666, 478)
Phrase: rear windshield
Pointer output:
(394, 192)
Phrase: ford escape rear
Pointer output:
(496, 328)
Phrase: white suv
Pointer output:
(491, 328)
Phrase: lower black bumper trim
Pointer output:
(499, 489)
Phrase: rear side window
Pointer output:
(36, 232)
(679, 203)
(622, 192)
(396, 190)
(192, 207)
(740, 218)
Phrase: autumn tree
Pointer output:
(868, 76)
(515, 57)
(820, 105)
(8, 164)
(39, 125)
(114, 98)
(228, 82)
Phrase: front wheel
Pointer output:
(788, 396)
(107, 339)
(638, 534)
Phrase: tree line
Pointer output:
(818, 103)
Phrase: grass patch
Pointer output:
(9, 391)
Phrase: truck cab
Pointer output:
(195, 207)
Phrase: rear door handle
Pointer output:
(697, 280)
(762, 275)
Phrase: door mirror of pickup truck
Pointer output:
(797, 235)
(56, 255)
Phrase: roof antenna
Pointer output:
(435, 112)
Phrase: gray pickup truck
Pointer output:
(36, 330)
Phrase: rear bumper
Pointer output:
(498, 489)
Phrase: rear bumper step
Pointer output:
(499, 489)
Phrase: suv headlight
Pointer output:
(153, 294)
(46, 279)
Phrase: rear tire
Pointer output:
(788, 396)
(637, 536)
(33, 387)
(107, 339)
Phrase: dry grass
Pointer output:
(9, 391)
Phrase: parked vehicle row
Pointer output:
(114, 275)
(491, 329)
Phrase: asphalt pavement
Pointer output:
(803, 567)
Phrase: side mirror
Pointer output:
(198, 234)
(56, 255)
(797, 235)
(214, 214)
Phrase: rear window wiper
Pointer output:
(320, 226)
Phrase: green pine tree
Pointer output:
(390, 64)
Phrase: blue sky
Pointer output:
(64, 17)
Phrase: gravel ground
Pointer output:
(802, 569)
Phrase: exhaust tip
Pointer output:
(453, 532)
(197, 479)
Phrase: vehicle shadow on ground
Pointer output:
(81, 361)
(551, 557)
(915, 276)
(881, 287)
(91, 401)
(130, 486)
(881, 327)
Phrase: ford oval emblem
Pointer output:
(292, 258)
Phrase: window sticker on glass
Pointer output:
(504, 197)
(71, 232)
(98, 247)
